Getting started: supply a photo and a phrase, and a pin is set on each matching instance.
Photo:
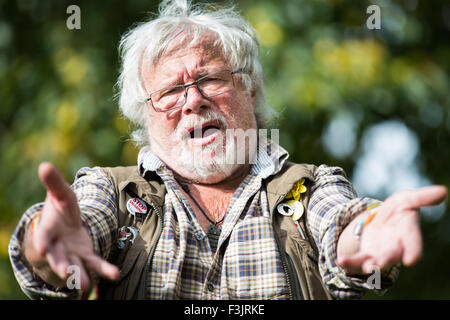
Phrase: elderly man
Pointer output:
(190, 221)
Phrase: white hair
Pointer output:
(149, 40)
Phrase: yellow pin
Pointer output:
(296, 190)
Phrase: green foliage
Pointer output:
(321, 62)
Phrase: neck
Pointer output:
(212, 200)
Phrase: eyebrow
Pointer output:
(203, 72)
(170, 81)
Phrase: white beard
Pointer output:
(199, 162)
(203, 162)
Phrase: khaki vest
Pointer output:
(299, 256)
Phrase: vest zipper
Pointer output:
(285, 268)
(288, 270)
(298, 294)
(141, 295)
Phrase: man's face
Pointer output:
(191, 139)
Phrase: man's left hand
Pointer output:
(393, 236)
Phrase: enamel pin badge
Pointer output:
(136, 205)
(138, 208)
(126, 233)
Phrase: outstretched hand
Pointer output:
(60, 239)
(394, 234)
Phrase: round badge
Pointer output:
(298, 210)
(285, 209)
(136, 205)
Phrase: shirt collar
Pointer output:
(148, 161)
(269, 161)
(270, 158)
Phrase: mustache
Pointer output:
(195, 120)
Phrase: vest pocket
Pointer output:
(127, 284)
(128, 263)
(308, 272)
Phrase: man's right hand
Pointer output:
(60, 239)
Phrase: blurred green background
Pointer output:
(375, 102)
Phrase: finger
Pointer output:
(58, 260)
(369, 265)
(427, 196)
(388, 259)
(388, 253)
(353, 264)
(54, 181)
(44, 231)
(412, 245)
(41, 241)
(102, 267)
(82, 283)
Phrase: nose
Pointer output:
(195, 101)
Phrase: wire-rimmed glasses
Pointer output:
(211, 85)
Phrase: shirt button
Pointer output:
(199, 235)
(210, 287)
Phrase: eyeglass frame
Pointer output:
(187, 85)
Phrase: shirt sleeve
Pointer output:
(333, 205)
(97, 201)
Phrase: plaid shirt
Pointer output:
(183, 265)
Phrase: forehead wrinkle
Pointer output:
(207, 43)
(209, 50)
(189, 72)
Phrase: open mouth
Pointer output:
(204, 133)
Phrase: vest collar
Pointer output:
(150, 188)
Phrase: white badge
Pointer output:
(298, 211)
(285, 209)
(136, 205)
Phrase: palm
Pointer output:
(399, 233)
